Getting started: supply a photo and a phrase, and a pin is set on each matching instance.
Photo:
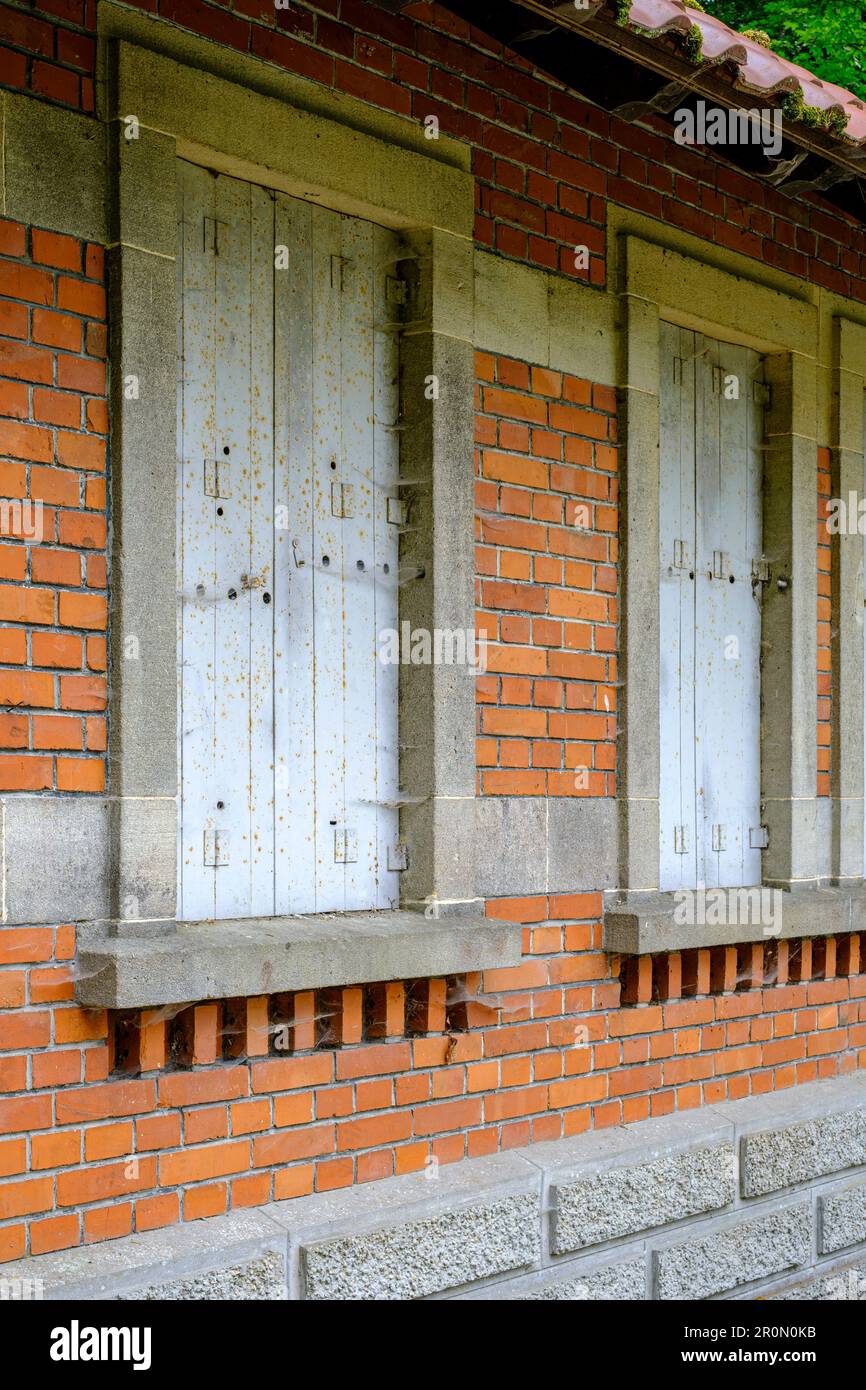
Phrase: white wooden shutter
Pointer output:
(710, 485)
(288, 567)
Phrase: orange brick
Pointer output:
(59, 1150)
(13, 1157)
(293, 1110)
(293, 1182)
(56, 649)
(96, 415)
(25, 774)
(56, 1069)
(79, 1025)
(25, 606)
(74, 373)
(253, 1190)
(54, 1233)
(57, 408)
(96, 653)
(13, 646)
(84, 529)
(94, 493)
(26, 1113)
(196, 1165)
(285, 1147)
(81, 297)
(157, 1132)
(82, 692)
(107, 1141)
(23, 1198)
(56, 732)
(13, 400)
(14, 731)
(83, 610)
(251, 1116)
(13, 1241)
(201, 1088)
(62, 252)
(152, 1213)
(80, 451)
(23, 282)
(304, 1021)
(387, 1010)
(108, 1223)
(56, 330)
(50, 985)
(201, 1035)
(152, 1038)
(211, 1200)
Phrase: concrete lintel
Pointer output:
(237, 959)
(641, 924)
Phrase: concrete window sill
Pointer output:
(642, 924)
(240, 959)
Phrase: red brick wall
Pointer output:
(546, 162)
(546, 496)
(109, 1125)
(361, 1084)
(53, 426)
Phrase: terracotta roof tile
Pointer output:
(758, 69)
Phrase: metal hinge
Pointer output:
(762, 394)
(210, 234)
(338, 266)
(681, 555)
(398, 857)
(678, 371)
(216, 848)
(396, 290)
(345, 846)
(342, 499)
(397, 511)
(720, 838)
(761, 570)
(720, 565)
(681, 839)
(217, 478)
(759, 837)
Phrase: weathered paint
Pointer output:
(710, 543)
(288, 729)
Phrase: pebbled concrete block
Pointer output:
(624, 1201)
(424, 1257)
(842, 1284)
(616, 1182)
(413, 1236)
(777, 1158)
(222, 1251)
(841, 1218)
(259, 1280)
(576, 1282)
(737, 1252)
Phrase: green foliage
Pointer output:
(758, 36)
(826, 36)
(693, 43)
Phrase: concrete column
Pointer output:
(437, 702)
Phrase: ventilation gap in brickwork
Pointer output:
(425, 1007)
(729, 969)
(340, 1017)
(123, 1042)
(385, 1010)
